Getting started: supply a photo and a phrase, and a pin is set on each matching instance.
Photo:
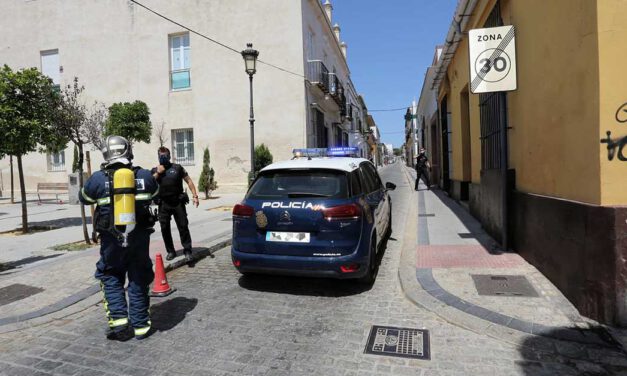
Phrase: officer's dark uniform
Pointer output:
(422, 170)
(172, 202)
(117, 261)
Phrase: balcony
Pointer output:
(318, 74)
(337, 92)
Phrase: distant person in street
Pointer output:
(423, 167)
(172, 201)
(124, 249)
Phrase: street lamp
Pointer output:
(250, 60)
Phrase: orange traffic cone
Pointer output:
(161, 286)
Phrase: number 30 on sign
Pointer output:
(492, 53)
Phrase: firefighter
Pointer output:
(123, 193)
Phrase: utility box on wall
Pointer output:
(73, 187)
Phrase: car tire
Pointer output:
(373, 268)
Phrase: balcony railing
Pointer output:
(318, 74)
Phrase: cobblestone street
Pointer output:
(221, 323)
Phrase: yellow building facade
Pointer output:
(567, 142)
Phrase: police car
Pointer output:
(321, 214)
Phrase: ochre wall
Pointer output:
(612, 36)
(554, 113)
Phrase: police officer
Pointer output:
(123, 249)
(172, 202)
(422, 169)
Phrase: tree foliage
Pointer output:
(28, 102)
(28, 108)
(129, 120)
(206, 182)
(263, 157)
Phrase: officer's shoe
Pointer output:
(143, 333)
(188, 255)
(120, 333)
(170, 256)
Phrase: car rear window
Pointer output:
(299, 183)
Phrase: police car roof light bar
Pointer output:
(325, 152)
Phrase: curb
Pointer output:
(89, 297)
(413, 291)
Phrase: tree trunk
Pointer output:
(206, 194)
(80, 186)
(23, 194)
(12, 185)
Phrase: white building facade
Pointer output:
(121, 52)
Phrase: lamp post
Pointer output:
(250, 60)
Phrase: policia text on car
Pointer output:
(172, 201)
(123, 194)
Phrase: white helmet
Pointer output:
(117, 149)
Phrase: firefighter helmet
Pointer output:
(117, 149)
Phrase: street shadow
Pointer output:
(475, 230)
(169, 314)
(4, 266)
(306, 286)
(581, 352)
(61, 222)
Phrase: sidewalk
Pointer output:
(62, 283)
(449, 257)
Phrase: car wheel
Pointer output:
(373, 268)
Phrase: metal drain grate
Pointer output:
(15, 292)
(503, 285)
(427, 215)
(400, 342)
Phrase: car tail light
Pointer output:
(350, 211)
(351, 268)
(241, 210)
(237, 263)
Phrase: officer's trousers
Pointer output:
(424, 173)
(115, 263)
(176, 210)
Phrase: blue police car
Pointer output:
(320, 214)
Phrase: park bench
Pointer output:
(52, 188)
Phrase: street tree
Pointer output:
(263, 157)
(75, 160)
(206, 182)
(94, 126)
(129, 120)
(28, 107)
(160, 132)
(70, 123)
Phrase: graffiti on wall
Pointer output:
(615, 147)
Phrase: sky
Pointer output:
(391, 44)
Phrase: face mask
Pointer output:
(164, 159)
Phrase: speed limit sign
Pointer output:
(492, 59)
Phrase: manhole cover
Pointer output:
(503, 285)
(401, 342)
(15, 292)
(466, 235)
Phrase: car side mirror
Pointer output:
(390, 186)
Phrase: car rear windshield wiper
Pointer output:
(306, 194)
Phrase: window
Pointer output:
(369, 181)
(283, 184)
(355, 183)
(50, 66)
(183, 145)
(179, 62)
(56, 161)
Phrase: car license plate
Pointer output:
(288, 237)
